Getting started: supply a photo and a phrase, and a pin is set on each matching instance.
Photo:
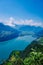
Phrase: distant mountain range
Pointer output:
(7, 32)
(39, 34)
(30, 30)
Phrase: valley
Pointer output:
(31, 55)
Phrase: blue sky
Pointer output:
(22, 9)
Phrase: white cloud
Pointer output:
(11, 22)
(33, 23)
(8, 21)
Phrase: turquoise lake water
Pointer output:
(19, 43)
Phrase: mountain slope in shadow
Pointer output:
(7, 32)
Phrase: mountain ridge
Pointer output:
(7, 32)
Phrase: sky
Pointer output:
(23, 12)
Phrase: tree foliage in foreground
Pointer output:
(34, 58)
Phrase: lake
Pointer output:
(19, 43)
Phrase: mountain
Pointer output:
(39, 34)
(7, 32)
(36, 45)
(28, 30)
